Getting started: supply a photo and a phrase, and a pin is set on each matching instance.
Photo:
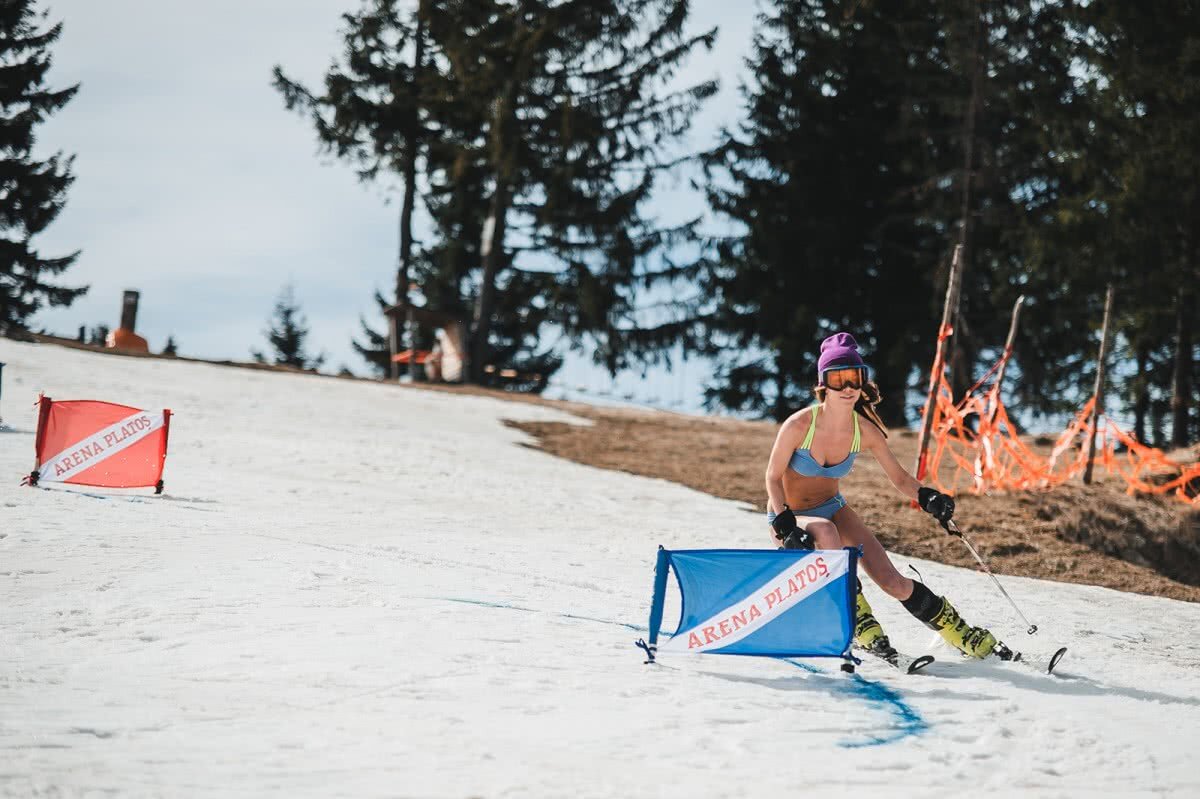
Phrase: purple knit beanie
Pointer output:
(840, 349)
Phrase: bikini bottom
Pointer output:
(825, 510)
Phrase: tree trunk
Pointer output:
(1141, 399)
(782, 409)
(493, 261)
(1158, 412)
(412, 136)
(963, 352)
(892, 388)
(1181, 382)
(493, 254)
(406, 213)
(965, 355)
(412, 143)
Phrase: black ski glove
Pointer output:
(800, 539)
(784, 524)
(936, 504)
(789, 533)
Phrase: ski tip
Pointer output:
(919, 663)
(1054, 659)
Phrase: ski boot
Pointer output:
(938, 614)
(868, 632)
(976, 642)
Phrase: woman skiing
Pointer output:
(816, 447)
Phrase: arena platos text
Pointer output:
(97, 447)
(808, 574)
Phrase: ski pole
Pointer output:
(952, 529)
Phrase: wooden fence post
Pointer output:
(410, 331)
(949, 313)
(1098, 408)
(1008, 343)
(393, 347)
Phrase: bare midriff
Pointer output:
(802, 492)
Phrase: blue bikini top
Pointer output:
(806, 465)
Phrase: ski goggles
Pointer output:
(838, 378)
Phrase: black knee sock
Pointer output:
(924, 604)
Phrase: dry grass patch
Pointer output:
(1094, 535)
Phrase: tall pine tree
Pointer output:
(1142, 197)
(287, 334)
(578, 119)
(32, 191)
(817, 182)
(877, 136)
(536, 129)
(374, 347)
(998, 98)
(370, 114)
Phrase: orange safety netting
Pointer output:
(976, 439)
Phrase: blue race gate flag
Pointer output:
(775, 603)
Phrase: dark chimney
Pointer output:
(129, 311)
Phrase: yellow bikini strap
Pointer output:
(812, 429)
(856, 444)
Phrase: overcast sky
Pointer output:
(196, 187)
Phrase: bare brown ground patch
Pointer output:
(1094, 535)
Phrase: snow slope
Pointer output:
(352, 589)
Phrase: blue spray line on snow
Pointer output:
(504, 606)
(76, 493)
(908, 722)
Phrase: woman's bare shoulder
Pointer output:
(797, 422)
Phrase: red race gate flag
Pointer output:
(91, 443)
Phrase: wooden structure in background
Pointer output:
(447, 362)
(123, 338)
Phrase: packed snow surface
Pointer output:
(355, 589)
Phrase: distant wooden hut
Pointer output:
(447, 361)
